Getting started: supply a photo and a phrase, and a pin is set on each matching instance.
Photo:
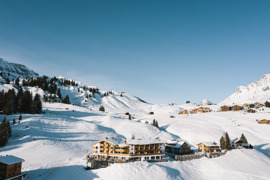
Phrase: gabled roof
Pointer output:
(210, 144)
(176, 144)
(8, 160)
(111, 140)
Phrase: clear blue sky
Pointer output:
(161, 51)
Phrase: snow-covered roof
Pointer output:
(144, 141)
(210, 144)
(175, 144)
(113, 141)
(8, 160)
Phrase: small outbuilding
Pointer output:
(151, 113)
(11, 168)
(264, 121)
(209, 147)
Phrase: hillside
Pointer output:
(258, 91)
(55, 143)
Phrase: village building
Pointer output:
(236, 108)
(264, 121)
(246, 106)
(209, 147)
(236, 143)
(225, 108)
(201, 110)
(184, 112)
(178, 148)
(11, 168)
(151, 113)
(258, 105)
(251, 111)
(129, 150)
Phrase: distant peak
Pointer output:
(16, 70)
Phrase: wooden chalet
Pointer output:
(236, 143)
(11, 168)
(178, 148)
(239, 144)
(201, 110)
(258, 105)
(225, 108)
(184, 112)
(246, 106)
(251, 111)
(171, 116)
(129, 150)
(209, 147)
(264, 121)
(236, 108)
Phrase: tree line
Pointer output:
(22, 102)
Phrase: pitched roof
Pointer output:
(8, 160)
(175, 144)
(212, 144)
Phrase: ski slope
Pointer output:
(55, 144)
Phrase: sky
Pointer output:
(161, 51)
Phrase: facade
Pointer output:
(235, 143)
(209, 147)
(11, 168)
(251, 111)
(202, 110)
(225, 108)
(184, 112)
(264, 121)
(236, 108)
(178, 148)
(246, 106)
(129, 150)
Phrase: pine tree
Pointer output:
(9, 133)
(20, 117)
(157, 124)
(59, 93)
(129, 117)
(222, 143)
(243, 138)
(17, 82)
(267, 104)
(3, 133)
(101, 108)
(36, 105)
(227, 141)
(14, 121)
(133, 137)
(66, 100)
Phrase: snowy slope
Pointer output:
(258, 91)
(55, 144)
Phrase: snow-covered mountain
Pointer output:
(16, 70)
(258, 91)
